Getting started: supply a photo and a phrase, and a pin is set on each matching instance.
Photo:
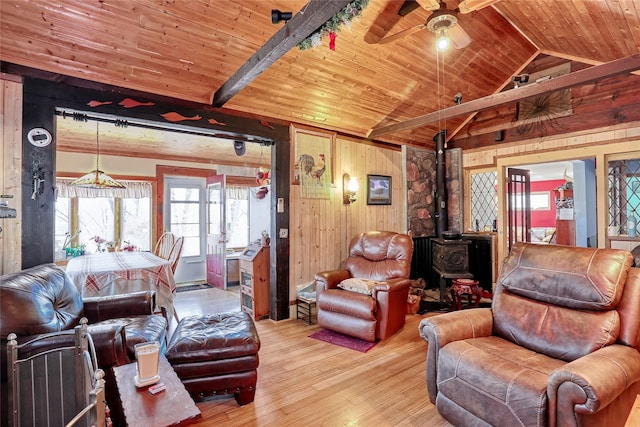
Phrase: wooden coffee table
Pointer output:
(172, 407)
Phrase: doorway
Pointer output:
(563, 201)
(184, 215)
(584, 196)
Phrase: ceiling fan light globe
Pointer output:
(442, 42)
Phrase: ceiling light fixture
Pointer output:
(442, 40)
(439, 23)
(96, 178)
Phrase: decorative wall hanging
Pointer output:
(536, 115)
(333, 25)
(94, 104)
(177, 117)
(132, 103)
(313, 167)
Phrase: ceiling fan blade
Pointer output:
(468, 6)
(407, 7)
(459, 37)
(400, 34)
(429, 4)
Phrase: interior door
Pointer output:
(216, 232)
(518, 206)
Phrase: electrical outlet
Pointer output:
(284, 233)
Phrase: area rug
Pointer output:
(194, 287)
(343, 340)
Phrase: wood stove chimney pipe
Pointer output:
(441, 213)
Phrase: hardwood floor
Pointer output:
(305, 382)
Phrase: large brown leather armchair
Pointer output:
(43, 299)
(558, 347)
(380, 256)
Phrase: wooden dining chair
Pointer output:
(174, 255)
(165, 245)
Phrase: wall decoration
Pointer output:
(536, 115)
(378, 190)
(215, 122)
(332, 26)
(177, 117)
(98, 103)
(313, 163)
(266, 124)
(132, 103)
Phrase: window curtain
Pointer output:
(236, 192)
(133, 190)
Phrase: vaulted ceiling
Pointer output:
(189, 49)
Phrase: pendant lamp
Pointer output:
(96, 178)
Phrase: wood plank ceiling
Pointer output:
(188, 49)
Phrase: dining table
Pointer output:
(95, 273)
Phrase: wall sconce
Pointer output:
(349, 188)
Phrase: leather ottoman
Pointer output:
(216, 354)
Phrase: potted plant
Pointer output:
(128, 246)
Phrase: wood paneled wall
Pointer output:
(320, 229)
(542, 148)
(10, 179)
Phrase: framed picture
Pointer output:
(313, 163)
(312, 155)
(378, 190)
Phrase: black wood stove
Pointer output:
(450, 261)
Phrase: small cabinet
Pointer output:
(254, 281)
(565, 218)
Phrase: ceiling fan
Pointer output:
(443, 22)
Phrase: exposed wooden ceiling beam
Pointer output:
(298, 28)
(613, 68)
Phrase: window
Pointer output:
(484, 200)
(96, 217)
(116, 216)
(624, 195)
(237, 216)
(63, 223)
(184, 208)
(136, 222)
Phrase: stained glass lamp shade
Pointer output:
(97, 178)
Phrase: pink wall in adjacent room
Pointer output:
(545, 218)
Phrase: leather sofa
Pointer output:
(382, 259)
(43, 299)
(558, 347)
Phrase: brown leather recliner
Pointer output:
(558, 347)
(380, 256)
(43, 299)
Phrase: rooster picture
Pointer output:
(310, 168)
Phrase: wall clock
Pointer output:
(39, 137)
